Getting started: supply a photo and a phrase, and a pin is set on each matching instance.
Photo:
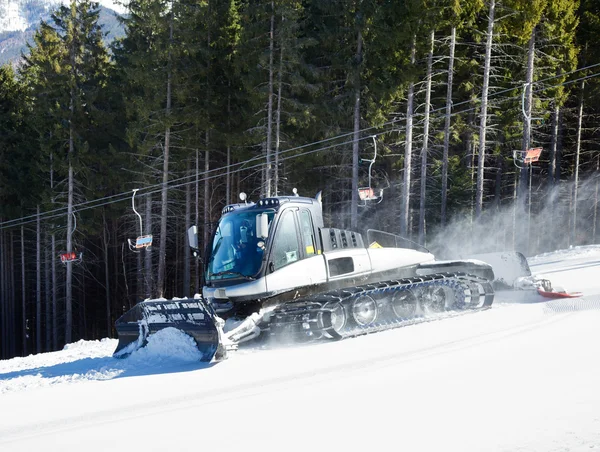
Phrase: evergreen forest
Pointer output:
(436, 104)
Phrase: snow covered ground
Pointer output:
(522, 376)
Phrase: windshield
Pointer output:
(236, 251)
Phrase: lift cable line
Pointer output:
(125, 196)
(91, 204)
(156, 188)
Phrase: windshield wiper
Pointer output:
(213, 253)
(230, 272)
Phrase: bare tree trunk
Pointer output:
(228, 187)
(278, 121)
(268, 168)
(228, 177)
(140, 287)
(23, 293)
(54, 295)
(82, 312)
(498, 193)
(552, 168)
(186, 248)
(106, 275)
(175, 285)
(47, 296)
(38, 283)
(69, 275)
(595, 221)
(356, 133)
(425, 141)
(524, 191)
(13, 325)
(553, 148)
(148, 278)
(197, 221)
(574, 240)
(4, 337)
(559, 144)
(471, 147)
(514, 215)
(404, 215)
(5, 319)
(162, 254)
(206, 191)
(447, 127)
(53, 267)
(484, 105)
(69, 282)
(570, 222)
(526, 142)
(126, 304)
(206, 227)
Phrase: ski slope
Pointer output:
(522, 376)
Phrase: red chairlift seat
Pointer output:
(71, 257)
(526, 157)
(366, 193)
(532, 155)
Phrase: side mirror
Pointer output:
(262, 225)
(193, 237)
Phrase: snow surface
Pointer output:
(522, 376)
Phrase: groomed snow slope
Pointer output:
(518, 377)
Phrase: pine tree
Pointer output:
(66, 69)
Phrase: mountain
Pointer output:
(20, 18)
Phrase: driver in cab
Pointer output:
(248, 252)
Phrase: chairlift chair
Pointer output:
(523, 158)
(72, 256)
(142, 241)
(368, 195)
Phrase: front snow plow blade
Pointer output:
(194, 317)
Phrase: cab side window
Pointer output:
(285, 246)
(308, 235)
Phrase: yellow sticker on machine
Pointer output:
(310, 249)
(375, 245)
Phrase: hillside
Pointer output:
(20, 18)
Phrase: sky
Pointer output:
(521, 376)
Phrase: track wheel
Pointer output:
(404, 304)
(337, 320)
(364, 310)
(434, 298)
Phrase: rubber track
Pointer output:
(310, 318)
